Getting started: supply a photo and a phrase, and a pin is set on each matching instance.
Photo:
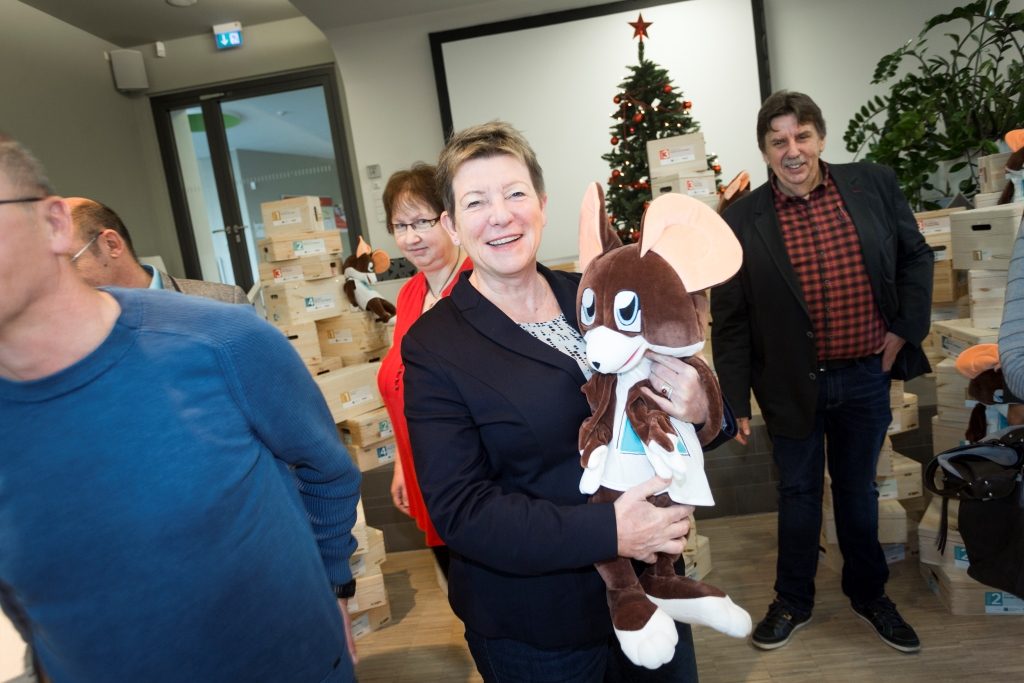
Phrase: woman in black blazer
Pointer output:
(493, 402)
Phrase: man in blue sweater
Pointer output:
(174, 502)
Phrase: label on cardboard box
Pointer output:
(354, 398)
(697, 187)
(286, 216)
(676, 155)
(999, 602)
(309, 247)
(318, 303)
(385, 454)
(960, 558)
(288, 273)
(339, 336)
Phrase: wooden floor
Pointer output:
(424, 640)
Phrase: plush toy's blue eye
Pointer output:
(627, 311)
(588, 307)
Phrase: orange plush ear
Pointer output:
(977, 359)
(381, 261)
(362, 248)
(1015, 139)
(695, 241)
(596, 233)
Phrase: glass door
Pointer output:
(228, 150)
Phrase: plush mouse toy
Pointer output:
(1014, 189)
(997, 408)
(360, 270)
(634, 298)
(737, 188)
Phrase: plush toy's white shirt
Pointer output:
(364, 292)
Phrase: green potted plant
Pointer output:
(945, 107)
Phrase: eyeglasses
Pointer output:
(82, 250)
(421, 225)
(21, 200)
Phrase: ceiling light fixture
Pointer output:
(180, 3)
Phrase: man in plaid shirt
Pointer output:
(833, 299)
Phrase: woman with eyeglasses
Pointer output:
(413, 208)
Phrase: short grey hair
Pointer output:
(22, 169)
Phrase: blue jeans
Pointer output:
(853, 414)
(501, 660)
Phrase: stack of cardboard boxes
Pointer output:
(679, 164)
(302, 283)
(945, 572)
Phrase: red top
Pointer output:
(392, 389)
(825, 251)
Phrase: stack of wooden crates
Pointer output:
(302, 283)
(967, 310)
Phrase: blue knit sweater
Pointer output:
(169, 504)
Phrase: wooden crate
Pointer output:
(884, 467)
(905, 415)
(313, 267)
(987, 291)
(948, 284)
(351, 390)
(375, 455)
(960, 334)
(904, 482)
(302, 337)
(935, 225)
(325, 365)
(367, 429)
(370, 592)
(992, 172)
(368, 559)
(291, 216)
(288, 247)
(370, 620)
(950, 385)
(697, 557)
(946, 435)
(350, 333)
(954, 555)
(301, 302)
(964, 598)
(983, 238)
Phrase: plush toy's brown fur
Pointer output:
(673, 319)
(360, 270)
(980, 364)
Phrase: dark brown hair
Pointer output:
(785, 102)
(413, 185)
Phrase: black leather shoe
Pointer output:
(777, 626)
(888, 624)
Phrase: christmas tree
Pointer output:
(649, 107)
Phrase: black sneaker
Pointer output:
(888, 624)
(777, 626)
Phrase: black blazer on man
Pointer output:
(762, 338)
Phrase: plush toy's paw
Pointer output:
(653, 645)
(667, 464)
(592, 473)
(719, 613)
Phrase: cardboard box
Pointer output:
(983, 238)
(302, 337)
(992, 172)
(289, 247)
(350, 333)
(892, 522)
(351, 390)
(904, 482)
(960, 334)
(370, 620)
(681, 154)
(697, 558)
(986, 291)
(904, 416)
(313, 267)
(367, 429)
(302, 302)
(946, 436)
(370, 593)
(375, 455)
(969, 597)
(292, 216)
(368, 559)
(698, 185)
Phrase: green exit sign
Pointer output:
(227, 36)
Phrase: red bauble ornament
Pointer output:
(667, 88)
(638, 117)
(616, 99)
(632, 130)
(616, 173)
(687, 104)
(615, 140)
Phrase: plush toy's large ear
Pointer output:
(362, 248)
(695, 241)
(976, 359)
(596, 233)
(380, 259)
(1015, 139)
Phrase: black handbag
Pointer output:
(986, 478)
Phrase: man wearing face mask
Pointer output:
(833, 299)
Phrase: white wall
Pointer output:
(826, 48)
